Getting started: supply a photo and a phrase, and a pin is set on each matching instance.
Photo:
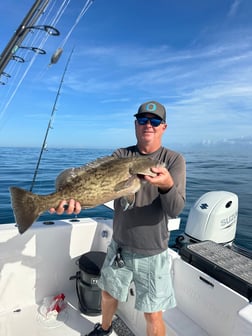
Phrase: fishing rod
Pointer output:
(27, 25)
(50, 122)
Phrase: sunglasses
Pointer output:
(155, 122)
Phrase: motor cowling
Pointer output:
(213, 217)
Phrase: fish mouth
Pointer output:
(141, 177)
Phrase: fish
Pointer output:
(103, 180)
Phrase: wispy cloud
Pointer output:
(201, 86)
(223, 64)
(205, 83)
(234, 8)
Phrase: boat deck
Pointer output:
(30, 320)
(41, 262)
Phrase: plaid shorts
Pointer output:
(150, 274)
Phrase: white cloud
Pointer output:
(234, 8)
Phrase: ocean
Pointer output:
(208, 169)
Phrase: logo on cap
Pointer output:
(151, 107)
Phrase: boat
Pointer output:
(43, 274)
(48, 288)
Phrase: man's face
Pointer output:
(147, 134)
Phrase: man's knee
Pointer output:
(154, 317)
(107, 297)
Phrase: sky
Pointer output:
(193, 56)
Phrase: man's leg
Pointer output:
(109, 306)
(155, 325)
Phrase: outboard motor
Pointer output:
(212, 217)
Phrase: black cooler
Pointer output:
(88, 292)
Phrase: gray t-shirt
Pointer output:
(143, 229)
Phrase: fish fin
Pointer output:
(68, 175)
(25, 209)
(65, 177)
(127, 202)
(96, 163)
(125, 184)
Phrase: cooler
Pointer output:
(88, 292)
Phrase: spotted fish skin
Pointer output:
(96, 183)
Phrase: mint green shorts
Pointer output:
(150, 274)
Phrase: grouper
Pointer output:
(93, 184)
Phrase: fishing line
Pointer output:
(60, 12)
(56, 55)
(83, 11)
(17, 87)
(31, 39)
(22, 78)
(53, 22)
(44, 145)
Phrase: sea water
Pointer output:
(208, 169)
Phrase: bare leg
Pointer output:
(155, 324)
(109, 306)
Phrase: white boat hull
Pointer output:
(40, 262)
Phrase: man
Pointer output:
(138, 251)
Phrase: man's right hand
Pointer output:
(67, 207)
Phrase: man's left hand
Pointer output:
(163, 180)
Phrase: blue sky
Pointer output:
(194, 56)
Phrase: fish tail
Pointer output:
(25, 206)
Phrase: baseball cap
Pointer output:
(152, 107)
